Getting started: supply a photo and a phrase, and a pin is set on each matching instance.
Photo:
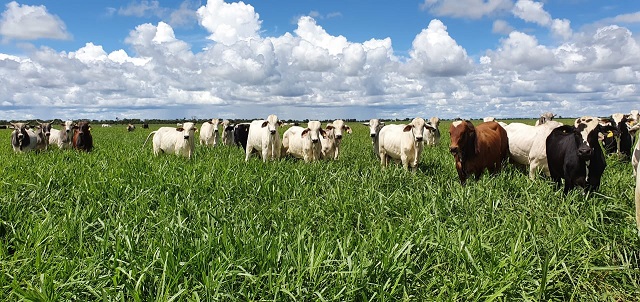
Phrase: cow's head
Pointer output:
(314, 131)
(215, 122)
(45, 128)
(19, 136)
(374, 127)
(272, 123)
(546, 117)
(417, 127)
(187, 129)
(435, 121)
(340, 126)
(463, 138)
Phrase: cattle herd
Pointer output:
(572, 154)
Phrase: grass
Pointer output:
(121, 224)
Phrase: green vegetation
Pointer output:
(121, 224)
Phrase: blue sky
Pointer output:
(318, 59)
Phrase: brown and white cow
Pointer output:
(82, 139)
(476, 148)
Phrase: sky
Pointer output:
(318, 59)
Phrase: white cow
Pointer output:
(334, 150)
(489, 119)
(105, 125)
(179, 141)
(635, 157)
(62, 138)
(545, 117)
(403, 142)
(432, 136)
(23, 139)
(637, 200)
(304, 142)
(227, 133)
(209, 133)
(263, 138)
(375, 125)
(527, 145)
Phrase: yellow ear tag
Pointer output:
(610, 134)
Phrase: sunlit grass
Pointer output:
(121, 224)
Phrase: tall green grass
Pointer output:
(121, 224)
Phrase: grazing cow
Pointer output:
(179, 141)
(227, 133)
(23, 139)
(527, 145)
(209, 133)
(375, 125)
(489, 119)
(82, 139)
(338, 128)
(3, 127)
(475, 149)
(304, 142)
(240, 134)
(432, 136)
(62, 138)
(403, 142)
(545, 117)
(131, 127)
(263, 138)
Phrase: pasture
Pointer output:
(120, 224)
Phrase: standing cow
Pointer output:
(375, 125)
(62, 138)
(264, 139)
(227, 133)
(432, 136)
(209, 133)
(23, 139)
(403, 142)
(179, 141)
(478, 148)
(339, 128)
(304, 142)
(43, 132)
(131, 127)
(82, 139)
(527, 145)
(240, 135)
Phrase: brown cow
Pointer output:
(477, 148)
(82, 139)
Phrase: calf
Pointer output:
(264, 139)
(240, 135)
(179, 141)
(62, 138)
(432, 136)
(375, 125)
(478, 148)
(209, 133)
(82, 139)
(227, 133)
(339, 128)
(23, 139)
(527, 145)
(304, 142)
(403, 142)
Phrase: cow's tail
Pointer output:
(148, 136)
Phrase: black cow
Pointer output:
(240, 135)
(574, 153)
(82, 139)
(619, 140)
(145, 125)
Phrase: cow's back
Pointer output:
(254, 137)
(520, 141)
(390, 140)
(492, 134)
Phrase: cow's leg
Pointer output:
(405, 161)
(248, 153)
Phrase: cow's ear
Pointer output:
(429, 127)
(195, 128)
(280, 123)
(382, 123)
(347, 128)
(330, 127)
(11, 126)
(264, 124)
(366, 124)
(305, 132)
(180, 129)
(323, 133)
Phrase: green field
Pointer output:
(120, 224)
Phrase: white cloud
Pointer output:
(531, 11)
(26, 22)
(434, 52)
(626, 18)
(142, 9)
(229, 22)
(309, 31)
(473, 9)
(501, 27)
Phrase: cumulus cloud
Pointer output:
(435, 53)
(142, 9)
(229, 22)
(501, 27)
(26, 22)
(531, 11)
(473, 9)
(521, 51)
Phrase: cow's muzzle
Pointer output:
(373, 135)
(186, 137)
(339, 136)
(315, 141)
(584, 152)
(419, 139)
(272, 132)
(454, 150)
